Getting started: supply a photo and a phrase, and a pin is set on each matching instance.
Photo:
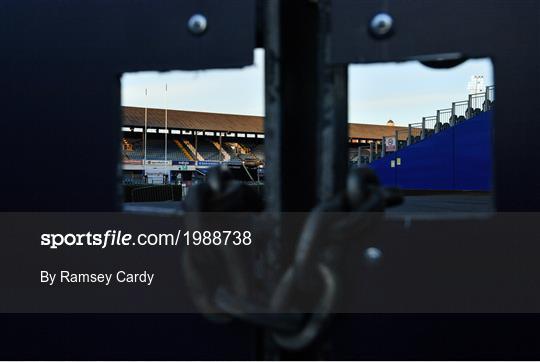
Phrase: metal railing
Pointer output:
(475, 104)
(362, 154)
(444, 119)
(134, 180)
(459, 109)
(153, 193)
(490, 98)
(375, 151)
(402, 138)
(444, 116)
(416, 132)
(429, 126)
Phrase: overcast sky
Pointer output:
(403, 92)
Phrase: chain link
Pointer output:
(313, 273)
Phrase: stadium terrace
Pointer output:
(180, 145)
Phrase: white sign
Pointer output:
(159, 162)
(390, 144)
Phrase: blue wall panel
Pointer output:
(427, 165)
(386, 174)
(459, 158)
(473, 154)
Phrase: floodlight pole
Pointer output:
(166, 130)
(145, 127)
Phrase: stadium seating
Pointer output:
(207, 150)
(155, 149)
(232, 151)
(250, 150)
(258, 151)
(136, 152)
(254, 150)
(182, 148)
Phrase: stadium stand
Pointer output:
(198, 140)
(187, 156)
(207, 150)
(191, 144)
(241, 137)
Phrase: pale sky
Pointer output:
(403, 92)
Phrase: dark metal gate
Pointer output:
(62, 62)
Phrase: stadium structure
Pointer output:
(450, 150)
(181, 145)
(161, 146)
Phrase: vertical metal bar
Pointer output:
(469, 107)
(220, 147)
(371, 148)
(332, 154)
(516, 178)
(409, 135)
(166, 129)
(145, 136)
(196, 149)
(306, 106)
(145, 127)
(453, 115)
(383, 147)
(291, 74)
(306, 116)
(359, 155)
(423, 135)
(273, 104)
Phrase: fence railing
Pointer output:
(402, 138)
(444, 116)
(153, 193)
(429, 125)
(444, 119)
(134, 180)
(476, 104)
(416, 130)
(459, 109)
(362, 153)
(490, 98)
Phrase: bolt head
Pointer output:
(197, 24)
(381, 25)
(373, 255)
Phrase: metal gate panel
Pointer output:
(61, 64)
(504, 30)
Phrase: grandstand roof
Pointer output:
(375, 131)
(193, 120)
(189, 120)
